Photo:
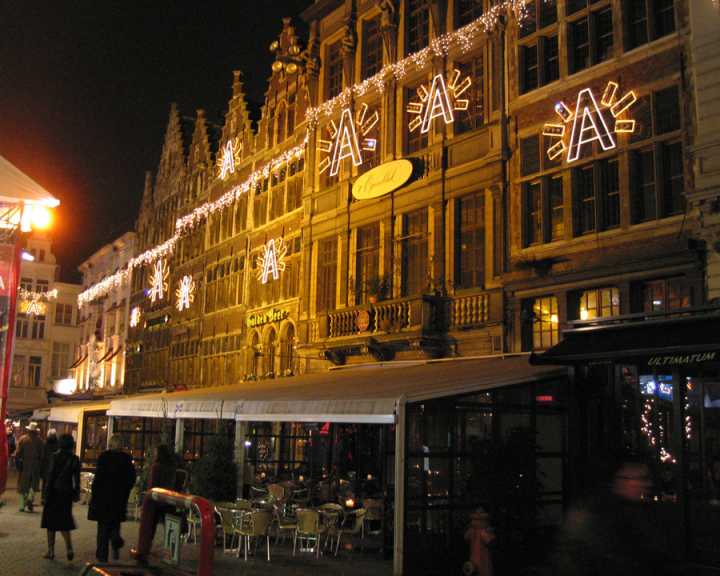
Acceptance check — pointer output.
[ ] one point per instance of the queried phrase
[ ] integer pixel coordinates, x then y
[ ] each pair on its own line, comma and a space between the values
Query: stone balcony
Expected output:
419, 322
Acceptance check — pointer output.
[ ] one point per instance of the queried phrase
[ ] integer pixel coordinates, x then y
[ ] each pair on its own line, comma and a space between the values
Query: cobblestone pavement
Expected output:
23, 542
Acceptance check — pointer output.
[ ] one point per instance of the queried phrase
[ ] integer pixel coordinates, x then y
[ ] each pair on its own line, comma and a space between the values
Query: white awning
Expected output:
73, 411
370, 395
16, 186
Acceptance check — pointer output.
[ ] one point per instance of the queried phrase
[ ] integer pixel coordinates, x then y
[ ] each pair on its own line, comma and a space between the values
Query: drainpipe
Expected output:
400, 463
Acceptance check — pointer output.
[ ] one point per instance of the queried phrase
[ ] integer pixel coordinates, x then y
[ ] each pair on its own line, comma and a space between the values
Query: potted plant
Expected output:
377, 287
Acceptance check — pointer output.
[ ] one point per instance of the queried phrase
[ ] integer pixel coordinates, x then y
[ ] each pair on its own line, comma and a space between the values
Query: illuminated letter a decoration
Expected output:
585, 128
438, 104
346, 144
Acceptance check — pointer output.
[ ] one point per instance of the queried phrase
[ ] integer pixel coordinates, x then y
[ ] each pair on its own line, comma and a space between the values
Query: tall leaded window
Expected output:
368, 253
63, 313
648, 20
468, 11
327, 274
599, 303
596, 196
471, 245
666, 294
34, 371
545, 322
419, 25
590, 39
416, 140
334, 70
473, 117
657, 166
372, 57
370, 139
60, 359
415, 252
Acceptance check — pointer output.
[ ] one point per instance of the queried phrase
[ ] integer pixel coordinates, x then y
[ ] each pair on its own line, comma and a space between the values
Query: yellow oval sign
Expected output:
382, 179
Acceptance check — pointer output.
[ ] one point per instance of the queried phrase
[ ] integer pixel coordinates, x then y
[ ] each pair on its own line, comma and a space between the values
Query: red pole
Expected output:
205, 510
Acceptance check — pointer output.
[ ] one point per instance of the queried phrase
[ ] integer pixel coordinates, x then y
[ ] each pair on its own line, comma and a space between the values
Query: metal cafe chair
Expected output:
352, 524
308, 528
285, 521
251, 525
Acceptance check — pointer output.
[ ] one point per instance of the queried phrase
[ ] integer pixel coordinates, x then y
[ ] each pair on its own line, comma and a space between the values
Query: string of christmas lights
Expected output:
37, 296
439, 47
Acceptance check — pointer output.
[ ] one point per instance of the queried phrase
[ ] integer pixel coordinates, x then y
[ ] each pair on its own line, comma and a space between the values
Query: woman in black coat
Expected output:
59, 493
114, 479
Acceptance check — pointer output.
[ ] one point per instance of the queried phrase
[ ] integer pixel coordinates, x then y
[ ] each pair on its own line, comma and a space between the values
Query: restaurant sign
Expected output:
382, 179
687, 359
260, 319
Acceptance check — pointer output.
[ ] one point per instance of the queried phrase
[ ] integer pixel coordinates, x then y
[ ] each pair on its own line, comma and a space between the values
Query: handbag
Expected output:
19, 462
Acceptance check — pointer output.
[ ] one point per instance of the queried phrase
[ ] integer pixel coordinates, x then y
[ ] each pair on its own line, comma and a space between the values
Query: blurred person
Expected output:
162, 475
613, 531
59, 493
11, 442
29, 456
114, 479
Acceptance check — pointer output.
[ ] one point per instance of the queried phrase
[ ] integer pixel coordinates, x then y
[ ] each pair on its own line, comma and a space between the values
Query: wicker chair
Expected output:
308, 528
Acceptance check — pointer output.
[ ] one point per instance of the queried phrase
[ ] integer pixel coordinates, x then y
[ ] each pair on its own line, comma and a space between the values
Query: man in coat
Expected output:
114, 479
29, 454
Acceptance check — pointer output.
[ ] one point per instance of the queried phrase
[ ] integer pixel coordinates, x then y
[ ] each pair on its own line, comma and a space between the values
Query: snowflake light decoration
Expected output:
185, 293
589, 122
437, 102
271, 260
344, 141
231, 157
158, 281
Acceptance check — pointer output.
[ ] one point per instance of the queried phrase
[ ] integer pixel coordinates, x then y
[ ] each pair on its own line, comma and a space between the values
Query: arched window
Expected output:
271, 351
253, 355
287, 353
281, 123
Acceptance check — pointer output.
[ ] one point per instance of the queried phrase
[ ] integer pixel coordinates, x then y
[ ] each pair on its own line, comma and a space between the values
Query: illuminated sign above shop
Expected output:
589, 122
271, 260
271, 316
382, 179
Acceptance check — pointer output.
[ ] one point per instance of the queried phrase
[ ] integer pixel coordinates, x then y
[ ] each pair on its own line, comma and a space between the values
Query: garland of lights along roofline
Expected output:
438, 47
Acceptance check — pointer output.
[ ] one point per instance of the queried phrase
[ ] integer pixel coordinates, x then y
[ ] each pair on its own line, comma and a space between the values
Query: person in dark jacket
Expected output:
59, 493
162, 475
29, 456
114, 479
51, 446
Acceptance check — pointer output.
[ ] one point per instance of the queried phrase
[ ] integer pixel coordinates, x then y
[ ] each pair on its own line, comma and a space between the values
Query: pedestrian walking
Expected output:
11, 442
114, 479
162, 475
28, 459
51, 446
59, 493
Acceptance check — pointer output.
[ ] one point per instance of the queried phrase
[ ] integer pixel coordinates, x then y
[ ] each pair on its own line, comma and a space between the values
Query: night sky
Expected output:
86, 88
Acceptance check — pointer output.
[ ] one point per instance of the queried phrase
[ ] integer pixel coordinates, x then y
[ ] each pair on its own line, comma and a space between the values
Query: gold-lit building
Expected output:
439, 185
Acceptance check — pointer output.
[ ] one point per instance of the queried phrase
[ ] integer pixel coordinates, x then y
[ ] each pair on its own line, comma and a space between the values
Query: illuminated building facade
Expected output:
438, 181
46, 330
104, 319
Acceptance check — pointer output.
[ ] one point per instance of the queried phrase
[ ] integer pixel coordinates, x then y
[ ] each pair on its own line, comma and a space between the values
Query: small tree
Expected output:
215, 475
